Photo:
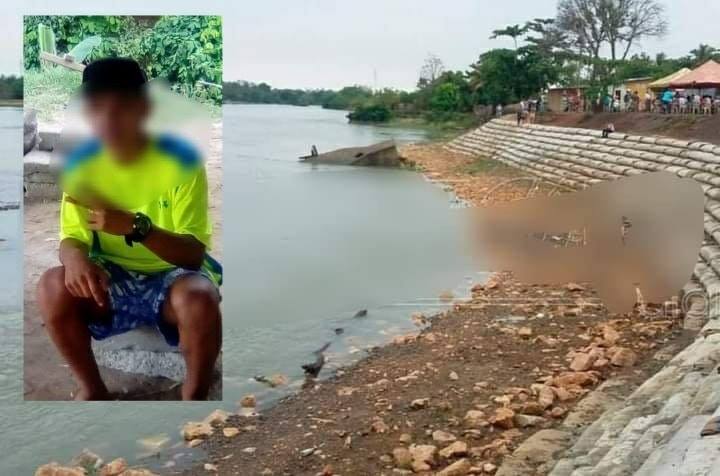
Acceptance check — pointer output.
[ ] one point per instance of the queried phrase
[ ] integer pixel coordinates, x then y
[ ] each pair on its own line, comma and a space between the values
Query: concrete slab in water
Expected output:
384, 154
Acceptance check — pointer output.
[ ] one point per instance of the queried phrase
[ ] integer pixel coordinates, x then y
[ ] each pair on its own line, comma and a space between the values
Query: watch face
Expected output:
142, 224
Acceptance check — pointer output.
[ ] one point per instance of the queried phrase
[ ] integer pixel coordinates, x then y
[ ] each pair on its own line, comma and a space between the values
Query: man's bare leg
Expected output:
66, 318
193, 305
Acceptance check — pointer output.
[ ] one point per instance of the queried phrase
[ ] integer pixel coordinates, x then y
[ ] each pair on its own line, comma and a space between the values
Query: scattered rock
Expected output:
248, 401
54, 469
475, 419
379, 426
524, 421
458, 468
489, 468
403, 458
230, 431
574, 287
601, 363
405, 339
503, 418
623, 357
546, 396
423, 457
210, 467
419, 319
443, 436
419, 403
525, 332
405, 438
532, 408
278, 380
114, 467
562, 394
308, 452
610, 335
582, 362
87, 459
454, 450
453, 375
582, 379
217, 417
196, 430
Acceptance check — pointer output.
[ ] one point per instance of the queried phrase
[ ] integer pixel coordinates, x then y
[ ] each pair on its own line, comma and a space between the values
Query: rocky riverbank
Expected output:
464, 392
487, 387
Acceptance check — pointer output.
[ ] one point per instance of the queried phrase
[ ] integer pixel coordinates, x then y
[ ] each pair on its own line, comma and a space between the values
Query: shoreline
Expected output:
456, 396
11, 103
459, 419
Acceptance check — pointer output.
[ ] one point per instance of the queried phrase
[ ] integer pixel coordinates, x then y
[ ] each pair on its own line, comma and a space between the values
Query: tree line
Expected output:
588, 43
11, 87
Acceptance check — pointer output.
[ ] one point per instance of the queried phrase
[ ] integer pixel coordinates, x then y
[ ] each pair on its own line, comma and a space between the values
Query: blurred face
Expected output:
117, 119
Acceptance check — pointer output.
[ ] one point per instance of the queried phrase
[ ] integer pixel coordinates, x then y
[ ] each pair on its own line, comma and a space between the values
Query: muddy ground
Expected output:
685, 127
464, 391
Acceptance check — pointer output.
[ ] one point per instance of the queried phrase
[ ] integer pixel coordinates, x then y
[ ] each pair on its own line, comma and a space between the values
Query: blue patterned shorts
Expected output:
136, 299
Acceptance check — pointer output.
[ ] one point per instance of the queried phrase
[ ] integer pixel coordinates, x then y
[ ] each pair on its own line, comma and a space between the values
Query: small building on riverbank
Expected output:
566, 99
632, 85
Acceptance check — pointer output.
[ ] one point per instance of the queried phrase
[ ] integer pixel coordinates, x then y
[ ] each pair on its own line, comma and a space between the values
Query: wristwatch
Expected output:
140, 229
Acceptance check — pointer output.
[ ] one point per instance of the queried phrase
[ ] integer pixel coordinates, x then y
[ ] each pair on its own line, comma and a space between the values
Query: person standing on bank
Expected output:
134, 235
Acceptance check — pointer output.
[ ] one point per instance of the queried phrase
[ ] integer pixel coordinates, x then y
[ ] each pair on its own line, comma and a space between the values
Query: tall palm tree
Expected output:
704, 53
513, 31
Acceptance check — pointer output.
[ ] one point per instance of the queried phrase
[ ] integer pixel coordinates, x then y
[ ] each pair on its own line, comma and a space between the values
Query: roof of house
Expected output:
705, 76
665, 81
633, 80
565, 88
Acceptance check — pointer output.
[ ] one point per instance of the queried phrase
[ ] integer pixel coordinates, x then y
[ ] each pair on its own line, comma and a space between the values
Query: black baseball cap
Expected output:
113, 75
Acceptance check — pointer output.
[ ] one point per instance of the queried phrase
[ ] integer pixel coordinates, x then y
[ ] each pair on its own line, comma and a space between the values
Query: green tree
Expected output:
704, 53
185, 50
445, 98
512, 31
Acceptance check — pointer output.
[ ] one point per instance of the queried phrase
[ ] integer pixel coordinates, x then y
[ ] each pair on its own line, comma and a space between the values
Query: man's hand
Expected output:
103, 217
85, 279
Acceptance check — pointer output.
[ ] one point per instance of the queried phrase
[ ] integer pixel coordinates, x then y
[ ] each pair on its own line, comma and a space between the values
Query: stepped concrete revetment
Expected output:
656, 430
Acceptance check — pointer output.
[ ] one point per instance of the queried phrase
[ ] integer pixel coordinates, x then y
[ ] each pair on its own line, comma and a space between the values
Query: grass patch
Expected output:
50, 89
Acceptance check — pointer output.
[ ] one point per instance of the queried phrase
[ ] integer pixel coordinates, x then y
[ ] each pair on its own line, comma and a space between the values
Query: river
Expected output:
304, 248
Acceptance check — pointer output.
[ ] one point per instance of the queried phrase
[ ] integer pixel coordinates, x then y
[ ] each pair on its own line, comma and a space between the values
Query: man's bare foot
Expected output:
87, 395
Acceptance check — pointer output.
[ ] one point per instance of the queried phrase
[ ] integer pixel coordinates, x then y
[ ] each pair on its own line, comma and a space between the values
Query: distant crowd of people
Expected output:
674, 102
669, 102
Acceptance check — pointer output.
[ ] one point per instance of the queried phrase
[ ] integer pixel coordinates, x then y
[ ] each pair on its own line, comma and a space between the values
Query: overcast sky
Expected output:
331, 43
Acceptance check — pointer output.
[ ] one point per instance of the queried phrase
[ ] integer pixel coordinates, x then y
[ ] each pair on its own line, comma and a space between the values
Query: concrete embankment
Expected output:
656, 431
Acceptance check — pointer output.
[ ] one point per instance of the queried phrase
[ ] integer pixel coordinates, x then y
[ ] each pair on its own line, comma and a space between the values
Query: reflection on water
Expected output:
304, 248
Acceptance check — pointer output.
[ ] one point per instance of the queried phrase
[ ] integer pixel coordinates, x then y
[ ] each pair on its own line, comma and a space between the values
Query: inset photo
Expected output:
122, 184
